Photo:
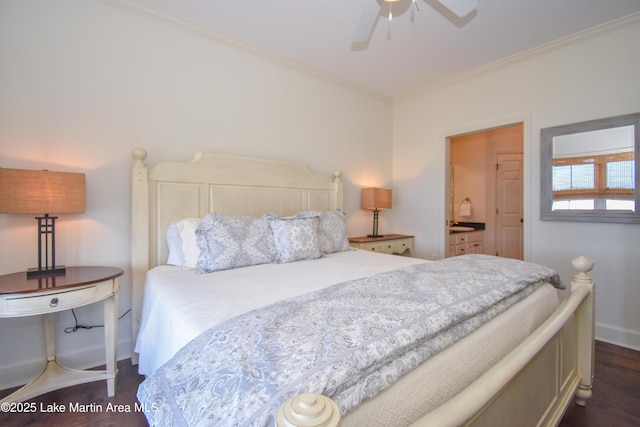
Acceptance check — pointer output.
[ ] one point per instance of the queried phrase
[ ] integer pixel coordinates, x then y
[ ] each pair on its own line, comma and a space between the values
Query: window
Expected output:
594, 182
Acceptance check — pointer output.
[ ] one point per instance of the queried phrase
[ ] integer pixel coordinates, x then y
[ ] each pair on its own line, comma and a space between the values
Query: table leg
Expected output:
50, 335
110, 339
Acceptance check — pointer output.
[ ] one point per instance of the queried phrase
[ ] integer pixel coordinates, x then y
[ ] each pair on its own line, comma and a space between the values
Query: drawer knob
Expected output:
54, 302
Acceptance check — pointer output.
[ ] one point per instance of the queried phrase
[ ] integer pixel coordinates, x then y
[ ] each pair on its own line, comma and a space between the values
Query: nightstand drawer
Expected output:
374, 247
40, 303
401, 245
389, 244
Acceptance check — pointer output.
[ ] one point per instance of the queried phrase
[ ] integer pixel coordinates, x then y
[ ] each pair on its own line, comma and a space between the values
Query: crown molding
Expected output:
538, 50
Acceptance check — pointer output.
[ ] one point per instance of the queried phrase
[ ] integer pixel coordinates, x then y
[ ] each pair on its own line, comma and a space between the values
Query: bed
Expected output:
523, 365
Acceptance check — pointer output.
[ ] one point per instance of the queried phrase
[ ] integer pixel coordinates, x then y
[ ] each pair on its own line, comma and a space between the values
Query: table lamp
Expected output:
42, 192
375, 199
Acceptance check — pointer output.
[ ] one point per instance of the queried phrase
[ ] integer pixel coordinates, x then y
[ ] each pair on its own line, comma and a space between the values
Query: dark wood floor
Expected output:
616, 391
86, 394
615, 401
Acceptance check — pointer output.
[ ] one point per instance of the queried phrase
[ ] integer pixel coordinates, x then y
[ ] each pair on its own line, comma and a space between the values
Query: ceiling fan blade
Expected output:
460, 7
368, 17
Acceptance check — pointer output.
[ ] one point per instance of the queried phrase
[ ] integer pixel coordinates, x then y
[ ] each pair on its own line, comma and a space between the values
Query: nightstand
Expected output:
396, 244
46, 295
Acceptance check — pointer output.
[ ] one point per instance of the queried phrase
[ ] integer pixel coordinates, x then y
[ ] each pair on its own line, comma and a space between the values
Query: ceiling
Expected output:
415, 50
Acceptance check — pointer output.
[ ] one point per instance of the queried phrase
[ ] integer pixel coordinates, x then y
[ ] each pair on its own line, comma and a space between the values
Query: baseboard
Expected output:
618, 336
22, 373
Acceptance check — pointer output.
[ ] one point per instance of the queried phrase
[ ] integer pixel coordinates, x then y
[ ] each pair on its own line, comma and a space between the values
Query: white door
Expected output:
509, 206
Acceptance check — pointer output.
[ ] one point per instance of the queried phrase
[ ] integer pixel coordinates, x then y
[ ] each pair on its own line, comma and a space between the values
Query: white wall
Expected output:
587, 78
83, 82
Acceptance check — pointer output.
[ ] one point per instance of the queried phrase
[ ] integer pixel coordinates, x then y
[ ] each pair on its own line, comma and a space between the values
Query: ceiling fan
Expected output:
372, 9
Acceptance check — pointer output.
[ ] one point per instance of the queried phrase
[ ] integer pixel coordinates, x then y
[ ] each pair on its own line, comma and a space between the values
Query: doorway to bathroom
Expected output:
485, 194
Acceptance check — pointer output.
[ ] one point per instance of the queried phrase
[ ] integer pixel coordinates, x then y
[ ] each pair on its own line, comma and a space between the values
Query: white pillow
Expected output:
174, 242
190, 249
183, 247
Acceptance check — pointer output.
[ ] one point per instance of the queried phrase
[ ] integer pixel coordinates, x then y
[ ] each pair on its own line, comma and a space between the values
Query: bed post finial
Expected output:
139, 154
309, 410
584, 265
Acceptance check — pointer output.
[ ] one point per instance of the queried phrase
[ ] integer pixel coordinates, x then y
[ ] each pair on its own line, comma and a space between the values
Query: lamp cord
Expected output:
77, 326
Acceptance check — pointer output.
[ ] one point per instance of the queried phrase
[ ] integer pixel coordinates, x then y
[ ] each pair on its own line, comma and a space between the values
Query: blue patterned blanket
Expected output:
349, 341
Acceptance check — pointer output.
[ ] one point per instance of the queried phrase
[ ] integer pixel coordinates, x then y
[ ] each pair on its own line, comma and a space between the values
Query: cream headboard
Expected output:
213, 183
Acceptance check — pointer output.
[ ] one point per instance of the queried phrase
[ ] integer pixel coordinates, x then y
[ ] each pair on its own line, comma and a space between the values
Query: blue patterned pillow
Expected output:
233, 241
295, 238
332, 230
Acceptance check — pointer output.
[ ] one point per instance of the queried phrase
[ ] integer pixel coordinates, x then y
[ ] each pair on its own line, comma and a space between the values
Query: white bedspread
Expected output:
358, 338
179, 305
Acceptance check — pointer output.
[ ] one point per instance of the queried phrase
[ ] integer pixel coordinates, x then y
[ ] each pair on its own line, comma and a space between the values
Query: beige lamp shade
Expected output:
375, 198
41, 192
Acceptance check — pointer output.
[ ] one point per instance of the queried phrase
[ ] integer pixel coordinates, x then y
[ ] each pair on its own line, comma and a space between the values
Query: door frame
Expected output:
525, 119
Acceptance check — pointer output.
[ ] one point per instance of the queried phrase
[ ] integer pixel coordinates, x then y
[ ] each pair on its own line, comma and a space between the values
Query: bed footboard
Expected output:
533, 385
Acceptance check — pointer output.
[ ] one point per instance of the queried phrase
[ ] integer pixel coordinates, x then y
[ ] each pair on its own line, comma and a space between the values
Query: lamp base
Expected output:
375, 235
58, 270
